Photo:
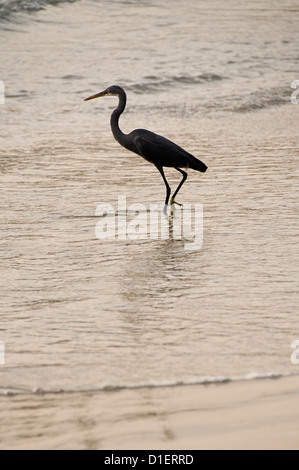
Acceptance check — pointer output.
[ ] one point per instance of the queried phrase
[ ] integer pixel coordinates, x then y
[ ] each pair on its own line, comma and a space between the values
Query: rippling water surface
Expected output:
78, 313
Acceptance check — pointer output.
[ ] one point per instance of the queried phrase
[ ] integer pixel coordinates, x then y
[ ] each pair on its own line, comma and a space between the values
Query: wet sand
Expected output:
255, 414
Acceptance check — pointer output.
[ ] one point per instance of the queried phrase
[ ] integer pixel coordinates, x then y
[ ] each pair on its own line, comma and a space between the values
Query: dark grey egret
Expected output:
154, 148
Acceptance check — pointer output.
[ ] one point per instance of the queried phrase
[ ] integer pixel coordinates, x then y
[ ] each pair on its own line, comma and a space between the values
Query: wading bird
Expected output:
154, 148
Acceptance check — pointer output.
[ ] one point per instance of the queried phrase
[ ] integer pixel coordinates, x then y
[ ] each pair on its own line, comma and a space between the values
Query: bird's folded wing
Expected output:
161, 151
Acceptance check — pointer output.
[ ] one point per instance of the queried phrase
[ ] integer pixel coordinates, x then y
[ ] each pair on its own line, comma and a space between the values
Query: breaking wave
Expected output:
206, 380
9, 7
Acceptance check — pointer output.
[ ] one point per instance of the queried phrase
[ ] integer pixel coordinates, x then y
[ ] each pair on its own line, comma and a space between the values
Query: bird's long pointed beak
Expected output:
97, 95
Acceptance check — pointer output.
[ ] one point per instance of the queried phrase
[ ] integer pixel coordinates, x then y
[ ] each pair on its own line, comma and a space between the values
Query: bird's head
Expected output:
112, 90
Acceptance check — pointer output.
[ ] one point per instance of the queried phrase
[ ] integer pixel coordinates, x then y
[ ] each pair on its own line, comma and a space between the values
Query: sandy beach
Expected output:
255, 414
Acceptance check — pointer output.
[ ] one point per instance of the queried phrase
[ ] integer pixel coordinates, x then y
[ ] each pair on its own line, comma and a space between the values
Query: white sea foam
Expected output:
206, 380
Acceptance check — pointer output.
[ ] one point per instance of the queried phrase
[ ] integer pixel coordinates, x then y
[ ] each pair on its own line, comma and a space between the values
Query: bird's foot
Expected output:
172, 207
172, 202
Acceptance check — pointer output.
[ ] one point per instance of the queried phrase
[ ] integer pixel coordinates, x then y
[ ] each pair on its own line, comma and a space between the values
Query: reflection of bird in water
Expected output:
153, 147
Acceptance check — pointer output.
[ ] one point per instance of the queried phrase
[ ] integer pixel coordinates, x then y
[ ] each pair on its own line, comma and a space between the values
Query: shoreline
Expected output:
251, 414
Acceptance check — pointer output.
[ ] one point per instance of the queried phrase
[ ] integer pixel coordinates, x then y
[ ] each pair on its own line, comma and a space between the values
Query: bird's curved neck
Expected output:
118, 134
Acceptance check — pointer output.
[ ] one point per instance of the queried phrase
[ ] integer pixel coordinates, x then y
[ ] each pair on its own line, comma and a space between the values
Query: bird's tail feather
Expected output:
196, 164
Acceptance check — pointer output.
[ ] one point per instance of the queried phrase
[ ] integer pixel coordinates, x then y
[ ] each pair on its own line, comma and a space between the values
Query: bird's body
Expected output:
154, 148
157, 149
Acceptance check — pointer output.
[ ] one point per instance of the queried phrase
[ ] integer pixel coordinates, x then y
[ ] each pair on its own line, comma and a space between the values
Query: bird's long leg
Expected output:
168, 190
185, 175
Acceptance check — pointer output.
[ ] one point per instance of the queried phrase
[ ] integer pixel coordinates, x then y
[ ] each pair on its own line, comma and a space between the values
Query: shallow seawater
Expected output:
79, 313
